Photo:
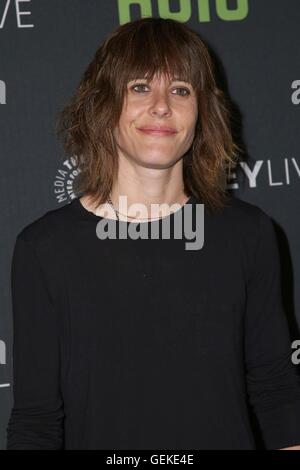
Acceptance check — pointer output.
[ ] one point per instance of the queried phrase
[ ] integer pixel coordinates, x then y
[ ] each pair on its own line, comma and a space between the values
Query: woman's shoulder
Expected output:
241, 212
243, 222
52, 225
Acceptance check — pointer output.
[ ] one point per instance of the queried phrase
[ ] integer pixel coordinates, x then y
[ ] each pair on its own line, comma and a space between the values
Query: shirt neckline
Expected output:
92, 216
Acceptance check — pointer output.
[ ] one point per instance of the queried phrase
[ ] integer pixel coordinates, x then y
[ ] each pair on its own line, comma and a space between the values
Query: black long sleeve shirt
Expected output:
142, 344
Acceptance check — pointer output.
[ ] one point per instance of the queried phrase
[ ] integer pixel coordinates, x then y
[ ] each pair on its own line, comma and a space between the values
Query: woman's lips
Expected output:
158, 132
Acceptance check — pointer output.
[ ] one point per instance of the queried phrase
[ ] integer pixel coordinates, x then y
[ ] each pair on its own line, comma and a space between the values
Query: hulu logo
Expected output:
204, 7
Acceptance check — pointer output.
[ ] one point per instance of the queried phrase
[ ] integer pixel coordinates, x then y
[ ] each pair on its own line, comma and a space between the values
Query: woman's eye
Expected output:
185, 90
136, 86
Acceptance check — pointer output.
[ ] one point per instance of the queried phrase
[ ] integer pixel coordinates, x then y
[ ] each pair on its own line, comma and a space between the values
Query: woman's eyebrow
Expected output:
173, 79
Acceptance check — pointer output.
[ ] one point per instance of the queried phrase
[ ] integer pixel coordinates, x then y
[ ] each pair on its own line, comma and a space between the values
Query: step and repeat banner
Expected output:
45, 45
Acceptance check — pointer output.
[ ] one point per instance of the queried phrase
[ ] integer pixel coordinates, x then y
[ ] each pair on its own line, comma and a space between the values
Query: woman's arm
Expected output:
36, 420
273, 383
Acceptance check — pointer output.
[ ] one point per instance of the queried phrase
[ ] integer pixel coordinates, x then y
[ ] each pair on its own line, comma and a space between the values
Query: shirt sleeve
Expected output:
36, 420
273, 383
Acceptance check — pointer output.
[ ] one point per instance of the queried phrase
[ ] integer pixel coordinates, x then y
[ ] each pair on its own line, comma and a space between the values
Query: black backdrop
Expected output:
45, 45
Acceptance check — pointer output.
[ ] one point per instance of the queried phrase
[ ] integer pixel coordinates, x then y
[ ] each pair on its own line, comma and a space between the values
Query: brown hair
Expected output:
89, 118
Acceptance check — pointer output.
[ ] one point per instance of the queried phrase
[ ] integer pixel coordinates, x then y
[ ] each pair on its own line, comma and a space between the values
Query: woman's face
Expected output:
157, 123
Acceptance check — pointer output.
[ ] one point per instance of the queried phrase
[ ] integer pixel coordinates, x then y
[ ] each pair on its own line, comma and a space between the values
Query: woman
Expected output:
140, 343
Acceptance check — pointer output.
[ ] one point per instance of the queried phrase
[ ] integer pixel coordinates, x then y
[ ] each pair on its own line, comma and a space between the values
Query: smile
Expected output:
157, 132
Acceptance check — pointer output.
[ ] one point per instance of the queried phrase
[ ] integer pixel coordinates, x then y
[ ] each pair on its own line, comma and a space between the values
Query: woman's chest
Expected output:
156, 304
